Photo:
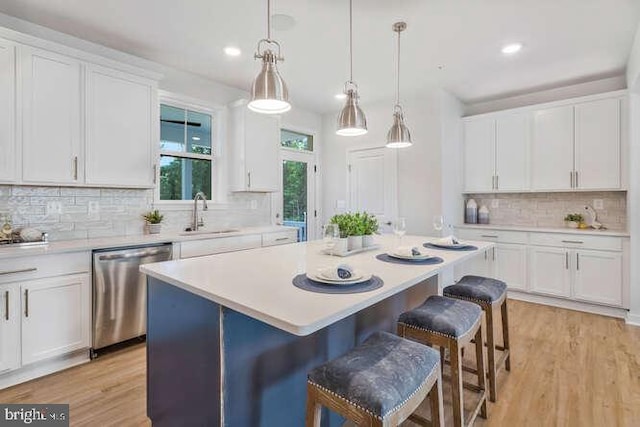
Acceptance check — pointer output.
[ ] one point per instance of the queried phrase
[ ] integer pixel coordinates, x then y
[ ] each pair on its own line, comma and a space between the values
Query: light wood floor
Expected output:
568, 369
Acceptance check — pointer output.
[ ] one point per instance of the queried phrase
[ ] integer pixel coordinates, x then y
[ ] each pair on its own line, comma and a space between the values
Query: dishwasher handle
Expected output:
137, 254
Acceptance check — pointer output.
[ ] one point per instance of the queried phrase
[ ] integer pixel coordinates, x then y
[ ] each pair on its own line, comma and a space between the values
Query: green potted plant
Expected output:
343, 223
370, 227
573, 220
355, 230
153, 221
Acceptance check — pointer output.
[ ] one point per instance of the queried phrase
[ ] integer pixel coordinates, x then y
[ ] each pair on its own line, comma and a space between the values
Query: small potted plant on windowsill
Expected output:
153, 221
370, 227
573, 220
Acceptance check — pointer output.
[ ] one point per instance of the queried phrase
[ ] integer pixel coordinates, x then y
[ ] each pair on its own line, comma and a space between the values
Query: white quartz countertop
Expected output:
118, 242
593, 232
258, 283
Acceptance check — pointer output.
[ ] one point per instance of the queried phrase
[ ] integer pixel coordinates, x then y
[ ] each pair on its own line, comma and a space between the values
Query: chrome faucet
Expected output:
195, 224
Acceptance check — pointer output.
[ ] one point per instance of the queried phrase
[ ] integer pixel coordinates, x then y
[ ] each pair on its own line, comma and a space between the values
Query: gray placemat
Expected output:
428, 261
303, 282
444, 248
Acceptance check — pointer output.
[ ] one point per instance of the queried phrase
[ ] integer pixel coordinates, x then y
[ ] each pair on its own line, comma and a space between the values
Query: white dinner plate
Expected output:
355, 275
322, 279
458, 245
410, 258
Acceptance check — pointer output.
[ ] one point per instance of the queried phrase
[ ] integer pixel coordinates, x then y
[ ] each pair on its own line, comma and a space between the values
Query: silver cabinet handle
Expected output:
155, 173
493, 182
577, 184
281, 239
249, 179
6, 305
566, 260
493, 252
485, 255
26, 303
490, 236
497, 182
75, 167
572, 241
577, 261
24, 270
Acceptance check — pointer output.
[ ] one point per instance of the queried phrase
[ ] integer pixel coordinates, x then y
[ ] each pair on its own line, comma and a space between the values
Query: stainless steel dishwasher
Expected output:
120, 293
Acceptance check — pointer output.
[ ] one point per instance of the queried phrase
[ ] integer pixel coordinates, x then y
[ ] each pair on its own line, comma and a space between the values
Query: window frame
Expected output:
217, 117
292, 129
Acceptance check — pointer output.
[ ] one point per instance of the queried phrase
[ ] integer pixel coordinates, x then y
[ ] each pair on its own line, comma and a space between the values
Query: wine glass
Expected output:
330, 236
438, 222
399, 228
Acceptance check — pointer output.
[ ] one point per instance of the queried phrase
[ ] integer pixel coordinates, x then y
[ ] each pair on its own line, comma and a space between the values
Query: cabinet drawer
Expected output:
279, 238
606, 243
502, 236
216, 246
39, 266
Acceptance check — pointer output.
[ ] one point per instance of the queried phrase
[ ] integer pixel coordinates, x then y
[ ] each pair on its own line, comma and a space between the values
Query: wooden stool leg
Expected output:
314, 410
442, 357
456, 384
491, 354
435, 398
505, 334
481, 371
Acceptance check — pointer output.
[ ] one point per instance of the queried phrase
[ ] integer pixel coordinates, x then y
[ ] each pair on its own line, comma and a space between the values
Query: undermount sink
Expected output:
194, 233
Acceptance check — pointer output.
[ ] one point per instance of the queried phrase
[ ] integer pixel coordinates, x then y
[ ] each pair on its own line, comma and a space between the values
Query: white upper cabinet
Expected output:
51, 118
120, 117
7, 112
512, 145
552, 149
479, 155
254, 141
597, 158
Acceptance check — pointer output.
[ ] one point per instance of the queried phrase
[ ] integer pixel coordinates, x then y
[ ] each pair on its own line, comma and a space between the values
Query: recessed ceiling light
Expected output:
512, 48
232, 51
341, 96
195, 138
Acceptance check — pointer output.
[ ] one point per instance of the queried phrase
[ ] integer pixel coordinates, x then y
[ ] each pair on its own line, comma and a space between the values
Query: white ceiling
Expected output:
565, 41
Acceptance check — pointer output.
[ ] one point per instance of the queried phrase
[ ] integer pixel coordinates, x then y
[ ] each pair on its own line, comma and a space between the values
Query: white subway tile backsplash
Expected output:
549, 209
108, 212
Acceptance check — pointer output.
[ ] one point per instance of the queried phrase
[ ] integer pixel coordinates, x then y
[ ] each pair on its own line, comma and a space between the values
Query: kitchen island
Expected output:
230, 339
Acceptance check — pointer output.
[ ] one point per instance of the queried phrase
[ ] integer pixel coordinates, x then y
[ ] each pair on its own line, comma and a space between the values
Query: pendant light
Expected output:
399, 135
351, 120
269, 94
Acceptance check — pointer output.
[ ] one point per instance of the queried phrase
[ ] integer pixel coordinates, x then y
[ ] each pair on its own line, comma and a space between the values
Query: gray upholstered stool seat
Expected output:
446, 316
380, 382
491, 295
477, 288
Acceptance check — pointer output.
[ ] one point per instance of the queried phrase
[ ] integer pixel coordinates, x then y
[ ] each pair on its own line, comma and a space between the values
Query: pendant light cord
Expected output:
269, 20
398, 74
351, 41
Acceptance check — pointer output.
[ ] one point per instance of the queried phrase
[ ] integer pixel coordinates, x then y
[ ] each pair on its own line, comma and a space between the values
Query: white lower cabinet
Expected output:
9, 328
510, 265
550, 271
56, 316
598, 275
481, 265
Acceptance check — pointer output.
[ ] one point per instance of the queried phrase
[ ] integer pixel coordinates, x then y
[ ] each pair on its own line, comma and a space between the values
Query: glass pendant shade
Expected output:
399, 135
269, 94
351, 120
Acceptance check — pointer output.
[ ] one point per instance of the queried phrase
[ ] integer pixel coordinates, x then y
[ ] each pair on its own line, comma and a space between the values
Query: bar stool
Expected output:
381, 382
490, 294
450, 323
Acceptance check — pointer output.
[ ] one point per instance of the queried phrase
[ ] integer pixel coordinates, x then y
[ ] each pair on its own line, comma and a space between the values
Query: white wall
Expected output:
633, 80
433, 121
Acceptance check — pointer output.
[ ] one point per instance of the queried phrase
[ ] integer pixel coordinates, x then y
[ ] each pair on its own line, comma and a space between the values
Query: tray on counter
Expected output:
351, 252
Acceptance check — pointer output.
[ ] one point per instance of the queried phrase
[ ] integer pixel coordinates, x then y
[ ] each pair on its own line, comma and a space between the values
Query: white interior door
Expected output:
373, 175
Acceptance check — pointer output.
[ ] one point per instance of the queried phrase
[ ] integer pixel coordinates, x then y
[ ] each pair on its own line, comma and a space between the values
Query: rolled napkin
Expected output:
408, 251
340, 272
448, 241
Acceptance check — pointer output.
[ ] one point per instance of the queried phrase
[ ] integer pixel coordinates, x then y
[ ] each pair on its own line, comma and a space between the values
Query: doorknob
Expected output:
388, 223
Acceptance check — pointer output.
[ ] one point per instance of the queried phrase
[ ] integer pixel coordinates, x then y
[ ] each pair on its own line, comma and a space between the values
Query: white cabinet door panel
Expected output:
479, 265
510, 265
51, 118
550, 271
56, 316
552, 149
479, 154
512, 144
262, 144
8, 159
9, 327
599, 277
598, 144
120, 118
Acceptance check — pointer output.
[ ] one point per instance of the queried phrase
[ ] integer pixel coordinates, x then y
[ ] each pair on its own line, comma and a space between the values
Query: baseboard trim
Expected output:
633, 319
46, 367
602, 310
